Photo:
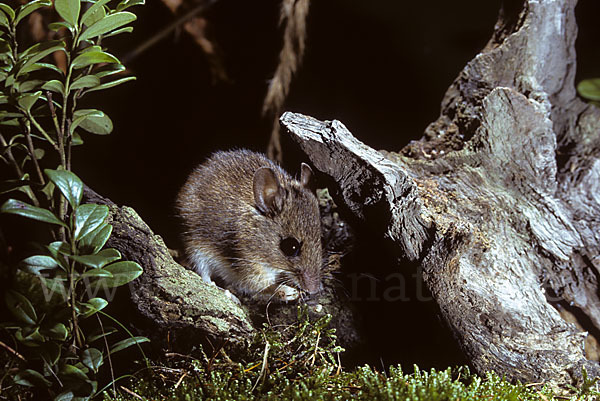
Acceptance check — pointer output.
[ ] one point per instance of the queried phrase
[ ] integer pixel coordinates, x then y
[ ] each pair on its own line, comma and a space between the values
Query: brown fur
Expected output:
221, 218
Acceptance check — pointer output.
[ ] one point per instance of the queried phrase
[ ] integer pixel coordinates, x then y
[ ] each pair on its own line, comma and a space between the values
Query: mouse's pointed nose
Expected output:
311, 282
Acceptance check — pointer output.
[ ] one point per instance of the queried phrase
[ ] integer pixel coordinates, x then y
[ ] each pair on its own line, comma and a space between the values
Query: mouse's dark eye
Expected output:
290, 247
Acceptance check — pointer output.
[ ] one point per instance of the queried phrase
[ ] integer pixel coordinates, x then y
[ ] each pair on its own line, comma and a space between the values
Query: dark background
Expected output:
381, 67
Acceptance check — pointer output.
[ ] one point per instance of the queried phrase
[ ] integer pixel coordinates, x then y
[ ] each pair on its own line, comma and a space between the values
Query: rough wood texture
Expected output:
169, 297
498, 201
178, 310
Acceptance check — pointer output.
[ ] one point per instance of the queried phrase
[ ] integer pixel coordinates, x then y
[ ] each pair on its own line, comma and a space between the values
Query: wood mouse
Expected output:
252, 226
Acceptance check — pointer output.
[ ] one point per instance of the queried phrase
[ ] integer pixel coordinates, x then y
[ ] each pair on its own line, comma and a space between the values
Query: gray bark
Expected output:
177, 310
498, 201
174, 304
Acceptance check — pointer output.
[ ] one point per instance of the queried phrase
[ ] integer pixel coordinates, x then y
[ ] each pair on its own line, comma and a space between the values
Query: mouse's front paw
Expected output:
230, 295
287, 293
227, 293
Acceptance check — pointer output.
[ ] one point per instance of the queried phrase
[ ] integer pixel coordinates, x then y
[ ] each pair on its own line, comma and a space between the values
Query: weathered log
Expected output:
498, 201
169, 298
178, 310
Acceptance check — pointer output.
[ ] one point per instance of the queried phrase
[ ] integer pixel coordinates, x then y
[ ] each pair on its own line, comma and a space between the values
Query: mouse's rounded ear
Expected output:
268, 192
307, 177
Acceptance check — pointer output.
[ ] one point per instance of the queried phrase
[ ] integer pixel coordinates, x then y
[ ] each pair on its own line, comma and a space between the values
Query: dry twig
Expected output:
294, 14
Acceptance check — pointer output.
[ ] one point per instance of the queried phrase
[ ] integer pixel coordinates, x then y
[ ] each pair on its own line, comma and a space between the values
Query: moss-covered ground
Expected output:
302, 362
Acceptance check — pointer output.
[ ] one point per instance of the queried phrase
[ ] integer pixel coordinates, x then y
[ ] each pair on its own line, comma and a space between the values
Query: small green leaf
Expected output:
48, 190
97, 303
100, 259
99, 125
55, 26
41, 47
37, 52
8, 11
54, 86
30, 337
7, 186
123, 273
39, 153
40, 66
74, 372
93, 57
68, 10
30, 7
128, 342
111, 84
92, 359
81, 115
88, 217
4, 20
107, 24
93, 121
127, 29
96, 273
92, 48
14, 206
93, 305
28, 85
10, 123
95, 240
59, 247
76, 139
20, 307
590, 89
58, 332
109, 69
66, 396
87, 81
69, 184
10, 80
36, 264
94, 14
31, 378
28, 100
129, 3
4, 114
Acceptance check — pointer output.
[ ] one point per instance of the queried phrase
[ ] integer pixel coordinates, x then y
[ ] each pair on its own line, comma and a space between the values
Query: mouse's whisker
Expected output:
274, 291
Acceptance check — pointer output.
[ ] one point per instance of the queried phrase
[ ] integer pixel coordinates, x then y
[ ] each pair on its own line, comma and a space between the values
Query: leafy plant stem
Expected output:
62, 206
41, 130
77, 338
65, 102
52, 111
59, 133
11, 157
67, 86
69, 144
13, 40
65, 157
18, 171
31, 151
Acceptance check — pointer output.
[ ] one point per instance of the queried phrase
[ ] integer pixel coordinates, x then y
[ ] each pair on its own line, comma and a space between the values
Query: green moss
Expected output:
300, 362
